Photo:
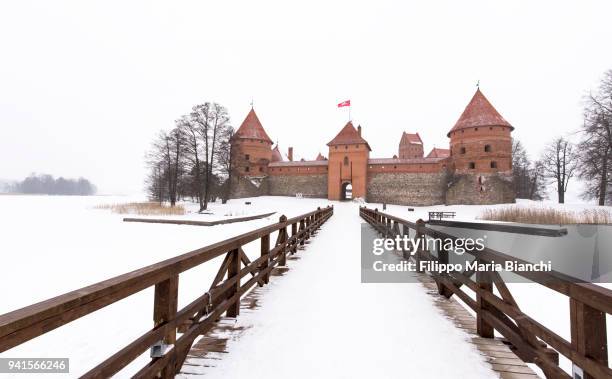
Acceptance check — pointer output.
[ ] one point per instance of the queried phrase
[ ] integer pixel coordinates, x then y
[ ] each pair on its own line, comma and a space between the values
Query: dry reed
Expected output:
550, 216
144, 209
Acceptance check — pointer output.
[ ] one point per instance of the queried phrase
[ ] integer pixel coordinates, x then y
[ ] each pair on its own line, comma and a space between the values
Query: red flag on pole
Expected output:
346, 103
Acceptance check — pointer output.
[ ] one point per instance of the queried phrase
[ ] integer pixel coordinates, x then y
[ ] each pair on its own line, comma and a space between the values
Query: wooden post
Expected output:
234, 270
282, 237
164, 310
302, 227
589, 337
294, 232
483, 328
405, 231
265, 251
443, 259
420, 224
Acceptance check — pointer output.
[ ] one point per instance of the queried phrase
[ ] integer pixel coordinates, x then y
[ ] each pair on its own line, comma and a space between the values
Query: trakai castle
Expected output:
476, 169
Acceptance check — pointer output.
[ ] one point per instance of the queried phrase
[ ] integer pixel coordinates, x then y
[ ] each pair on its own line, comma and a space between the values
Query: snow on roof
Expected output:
411, 138
438, 153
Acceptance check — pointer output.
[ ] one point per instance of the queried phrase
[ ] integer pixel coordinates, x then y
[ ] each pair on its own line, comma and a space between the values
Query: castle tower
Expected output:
480, 141
410, 146
251, 147
348, 163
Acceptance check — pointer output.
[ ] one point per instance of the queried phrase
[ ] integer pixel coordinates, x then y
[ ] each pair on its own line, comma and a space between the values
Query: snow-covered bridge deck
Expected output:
321, 321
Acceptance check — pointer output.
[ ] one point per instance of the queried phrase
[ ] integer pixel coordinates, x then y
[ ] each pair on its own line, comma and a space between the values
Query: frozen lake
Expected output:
55, 244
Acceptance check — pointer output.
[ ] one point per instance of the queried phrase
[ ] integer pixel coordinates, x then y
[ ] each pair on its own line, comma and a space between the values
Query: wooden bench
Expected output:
441, 215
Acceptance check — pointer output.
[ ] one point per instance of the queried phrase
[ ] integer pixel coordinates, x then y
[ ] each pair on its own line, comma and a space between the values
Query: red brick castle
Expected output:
477, 169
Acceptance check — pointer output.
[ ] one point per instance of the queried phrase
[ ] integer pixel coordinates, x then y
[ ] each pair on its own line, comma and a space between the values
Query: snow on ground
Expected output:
55, 244
546, 306
320, 321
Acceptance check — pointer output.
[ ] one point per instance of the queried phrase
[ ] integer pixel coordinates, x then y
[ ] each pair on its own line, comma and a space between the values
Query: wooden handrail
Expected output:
24, 324
589, 304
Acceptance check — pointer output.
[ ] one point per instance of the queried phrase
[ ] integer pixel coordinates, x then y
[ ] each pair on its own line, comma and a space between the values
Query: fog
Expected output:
84, 86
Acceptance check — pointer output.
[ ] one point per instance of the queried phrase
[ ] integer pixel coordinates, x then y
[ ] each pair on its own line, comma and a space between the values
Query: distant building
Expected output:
477, 169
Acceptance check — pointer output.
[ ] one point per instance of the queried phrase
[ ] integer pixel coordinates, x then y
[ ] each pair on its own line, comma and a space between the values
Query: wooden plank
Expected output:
196, 223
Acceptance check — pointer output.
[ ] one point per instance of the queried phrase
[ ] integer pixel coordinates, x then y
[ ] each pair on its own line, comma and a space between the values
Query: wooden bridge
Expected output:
588, 305
171, 338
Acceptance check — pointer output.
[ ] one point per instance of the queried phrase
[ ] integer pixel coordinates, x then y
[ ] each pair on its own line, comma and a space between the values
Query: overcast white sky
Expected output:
84, 86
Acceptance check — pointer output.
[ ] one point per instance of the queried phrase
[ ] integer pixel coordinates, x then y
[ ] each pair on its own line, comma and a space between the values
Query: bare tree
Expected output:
225, 161
596, 145
527, 175
559, 163
193, 154
190, 159
220, 125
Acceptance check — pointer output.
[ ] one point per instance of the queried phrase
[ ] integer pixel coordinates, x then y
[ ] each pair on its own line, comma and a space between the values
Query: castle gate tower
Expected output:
348, 163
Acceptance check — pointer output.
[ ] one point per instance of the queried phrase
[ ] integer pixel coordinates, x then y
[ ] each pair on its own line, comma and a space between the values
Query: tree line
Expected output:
589, 159
44, 184
192, 160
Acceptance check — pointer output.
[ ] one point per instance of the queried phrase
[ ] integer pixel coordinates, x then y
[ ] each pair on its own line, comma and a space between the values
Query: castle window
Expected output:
247, 157
336, 147
487, 148
346, 147
490, 128
475, 129
463, 150
394, 166
260, 169
346, 161
472, 165
493, 164
246, 169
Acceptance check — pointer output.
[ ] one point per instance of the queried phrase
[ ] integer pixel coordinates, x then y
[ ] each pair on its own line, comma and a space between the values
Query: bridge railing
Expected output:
167, 350
588, 304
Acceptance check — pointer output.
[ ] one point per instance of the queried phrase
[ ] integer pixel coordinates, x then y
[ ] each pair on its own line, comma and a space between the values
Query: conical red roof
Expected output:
479, 112
276, 155
348, 136
251, 128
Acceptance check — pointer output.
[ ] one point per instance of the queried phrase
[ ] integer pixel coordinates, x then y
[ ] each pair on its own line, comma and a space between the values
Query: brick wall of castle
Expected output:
242, 186
313, 185
480, 189
407, 188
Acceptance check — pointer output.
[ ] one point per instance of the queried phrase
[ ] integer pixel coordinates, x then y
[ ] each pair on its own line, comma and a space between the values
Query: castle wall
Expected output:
481, 189
406, 188
313, 185
242, 186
